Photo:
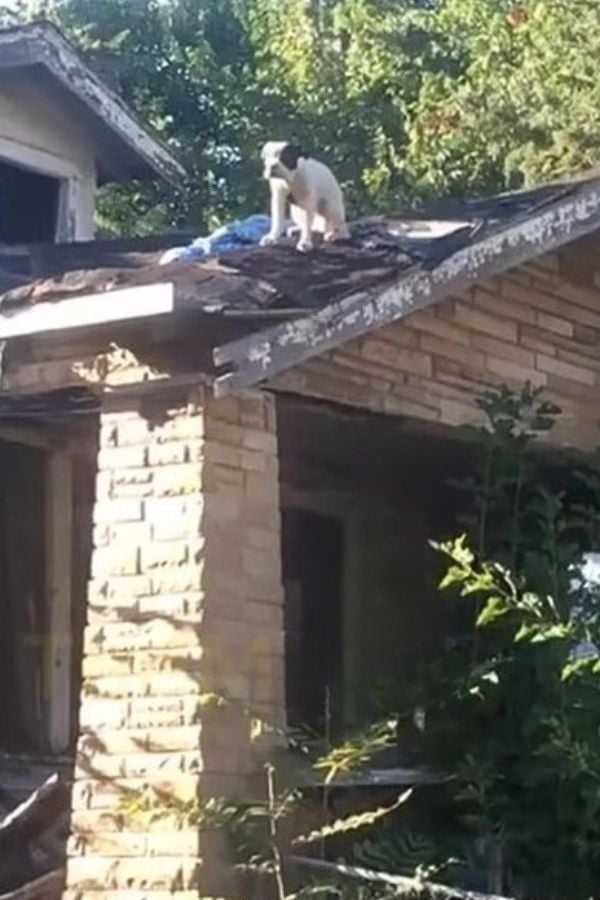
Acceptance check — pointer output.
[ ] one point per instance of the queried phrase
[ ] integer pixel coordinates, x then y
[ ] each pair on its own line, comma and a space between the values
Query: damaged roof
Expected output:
389, 267
125, 148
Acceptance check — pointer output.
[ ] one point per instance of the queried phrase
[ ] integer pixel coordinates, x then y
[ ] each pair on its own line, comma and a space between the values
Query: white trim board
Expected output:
90, 309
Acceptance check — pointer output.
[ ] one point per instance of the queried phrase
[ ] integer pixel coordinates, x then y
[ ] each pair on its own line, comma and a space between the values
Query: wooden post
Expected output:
59, 538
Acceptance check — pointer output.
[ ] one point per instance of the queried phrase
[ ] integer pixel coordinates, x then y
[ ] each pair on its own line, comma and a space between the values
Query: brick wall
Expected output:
184, 600
540, 322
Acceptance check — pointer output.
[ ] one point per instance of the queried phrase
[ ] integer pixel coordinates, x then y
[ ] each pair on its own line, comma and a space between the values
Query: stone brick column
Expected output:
185, 599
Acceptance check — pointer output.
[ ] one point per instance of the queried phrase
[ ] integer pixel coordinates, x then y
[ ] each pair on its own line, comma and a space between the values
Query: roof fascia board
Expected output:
104, 308
264, 354
43, 44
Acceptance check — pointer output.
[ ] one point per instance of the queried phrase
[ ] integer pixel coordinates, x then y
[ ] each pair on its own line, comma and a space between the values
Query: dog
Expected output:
315, 198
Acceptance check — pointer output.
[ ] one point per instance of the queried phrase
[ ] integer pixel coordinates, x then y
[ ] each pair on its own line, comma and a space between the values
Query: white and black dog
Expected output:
316, 202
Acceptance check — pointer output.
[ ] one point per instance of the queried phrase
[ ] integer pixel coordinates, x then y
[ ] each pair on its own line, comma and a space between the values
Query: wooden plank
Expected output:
262, 355
136, 302
59, 565
28, 809
41, 438
36, 159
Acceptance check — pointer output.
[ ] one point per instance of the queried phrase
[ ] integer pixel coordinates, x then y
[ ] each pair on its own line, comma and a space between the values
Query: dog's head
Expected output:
281, 158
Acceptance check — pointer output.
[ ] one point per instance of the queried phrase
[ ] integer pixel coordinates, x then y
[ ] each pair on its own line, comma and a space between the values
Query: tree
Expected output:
409, 100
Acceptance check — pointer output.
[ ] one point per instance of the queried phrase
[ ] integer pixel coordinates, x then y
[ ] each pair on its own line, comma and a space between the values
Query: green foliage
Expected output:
409, 100
514, 712
353, 822
356, 752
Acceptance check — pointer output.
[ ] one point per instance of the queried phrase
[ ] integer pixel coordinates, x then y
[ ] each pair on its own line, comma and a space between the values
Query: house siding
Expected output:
38, 133
185, 601
540, 322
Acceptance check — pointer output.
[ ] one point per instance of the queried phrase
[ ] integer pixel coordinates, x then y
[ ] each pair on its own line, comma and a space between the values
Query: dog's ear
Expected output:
290, 155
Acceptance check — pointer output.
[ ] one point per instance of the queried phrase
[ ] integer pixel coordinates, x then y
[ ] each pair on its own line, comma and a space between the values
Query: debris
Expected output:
33, 842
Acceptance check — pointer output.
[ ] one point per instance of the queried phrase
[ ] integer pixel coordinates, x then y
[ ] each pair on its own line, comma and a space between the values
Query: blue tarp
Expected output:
234, 236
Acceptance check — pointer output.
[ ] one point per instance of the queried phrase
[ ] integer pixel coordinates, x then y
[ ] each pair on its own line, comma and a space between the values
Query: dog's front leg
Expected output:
305, 244
279, 192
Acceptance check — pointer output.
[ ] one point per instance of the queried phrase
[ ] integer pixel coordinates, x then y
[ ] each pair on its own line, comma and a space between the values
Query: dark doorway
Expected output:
28, 205
312, 577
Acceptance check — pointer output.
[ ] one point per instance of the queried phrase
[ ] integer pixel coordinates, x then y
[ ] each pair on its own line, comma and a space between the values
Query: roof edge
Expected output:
263, 354
44, 44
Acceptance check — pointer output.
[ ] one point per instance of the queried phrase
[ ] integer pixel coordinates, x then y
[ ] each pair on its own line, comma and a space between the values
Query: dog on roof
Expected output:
309, 187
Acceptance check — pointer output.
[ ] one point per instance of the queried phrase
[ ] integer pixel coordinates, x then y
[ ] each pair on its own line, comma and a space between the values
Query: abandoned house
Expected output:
221, 477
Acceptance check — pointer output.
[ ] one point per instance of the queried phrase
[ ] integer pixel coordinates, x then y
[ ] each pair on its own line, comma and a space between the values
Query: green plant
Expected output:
514, 711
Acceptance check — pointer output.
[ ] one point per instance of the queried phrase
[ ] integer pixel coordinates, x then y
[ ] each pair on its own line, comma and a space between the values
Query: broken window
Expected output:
362, 496
312, 577
46, 501
29, 204
23, 613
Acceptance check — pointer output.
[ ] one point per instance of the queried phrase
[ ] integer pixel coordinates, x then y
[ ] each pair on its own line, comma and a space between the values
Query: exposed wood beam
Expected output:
262, 355
59, 566
137, 302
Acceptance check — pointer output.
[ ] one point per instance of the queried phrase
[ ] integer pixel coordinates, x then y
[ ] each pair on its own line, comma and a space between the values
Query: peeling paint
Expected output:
284, 346
43, 44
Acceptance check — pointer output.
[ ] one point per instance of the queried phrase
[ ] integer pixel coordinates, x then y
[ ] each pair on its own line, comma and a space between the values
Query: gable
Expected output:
34, 118
123, 148
538, 323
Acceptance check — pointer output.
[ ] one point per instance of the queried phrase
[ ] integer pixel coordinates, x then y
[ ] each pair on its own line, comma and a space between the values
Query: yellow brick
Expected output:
174, 843
225, 409
174, 580
224, 454
556, 324
224, 432
117, 511
163, 712
454, 413
479, 321
504, 307
102, 820
579, 358
116, 559
166, 739
184, 605
164, 553
414, 361
260, 440
175, 480
114, 844
399, 406
504, 350
565, 370
132, 430
101, 873
101, 712
440, 328
122, 457
168, 454
107, 664
534, 339
121, 587
511, 371
130, 636
379, 377
446, 350
262, 486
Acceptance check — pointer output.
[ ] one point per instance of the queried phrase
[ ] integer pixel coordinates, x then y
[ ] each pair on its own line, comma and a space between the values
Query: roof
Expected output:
125, 148
293, 306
